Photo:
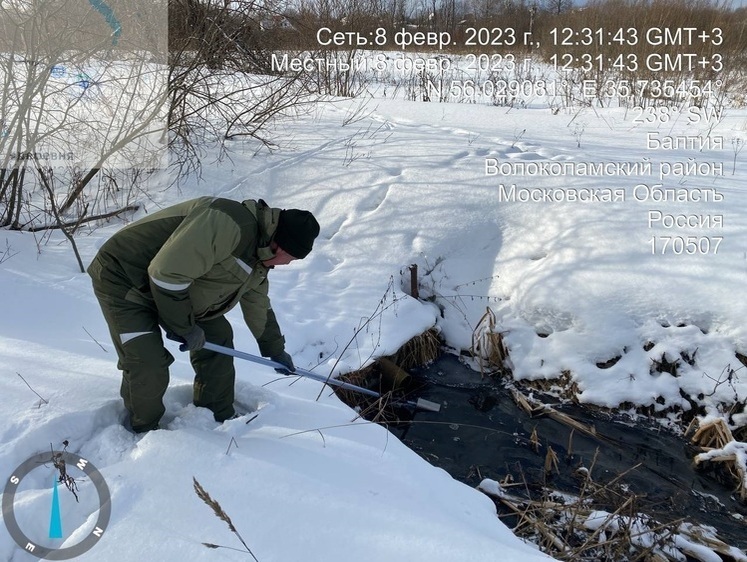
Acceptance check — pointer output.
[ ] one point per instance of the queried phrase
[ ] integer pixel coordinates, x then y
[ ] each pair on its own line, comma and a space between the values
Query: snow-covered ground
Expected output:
574, 285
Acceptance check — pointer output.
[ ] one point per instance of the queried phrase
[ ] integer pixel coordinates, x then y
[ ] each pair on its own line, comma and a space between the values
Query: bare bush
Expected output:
77, 101
223, 84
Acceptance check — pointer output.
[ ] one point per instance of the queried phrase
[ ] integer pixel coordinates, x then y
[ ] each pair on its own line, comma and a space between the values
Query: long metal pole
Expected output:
420, 403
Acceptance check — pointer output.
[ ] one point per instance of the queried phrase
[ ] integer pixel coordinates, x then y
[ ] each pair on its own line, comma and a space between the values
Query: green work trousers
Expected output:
144, 361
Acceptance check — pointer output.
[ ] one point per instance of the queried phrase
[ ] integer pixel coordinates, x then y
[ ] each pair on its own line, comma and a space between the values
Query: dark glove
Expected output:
193, 340
285, 360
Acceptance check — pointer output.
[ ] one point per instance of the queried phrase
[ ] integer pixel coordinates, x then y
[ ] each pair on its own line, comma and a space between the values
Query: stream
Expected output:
480, 433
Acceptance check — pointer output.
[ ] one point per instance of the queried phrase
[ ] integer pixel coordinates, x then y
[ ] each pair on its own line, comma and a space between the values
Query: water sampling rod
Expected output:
420, 403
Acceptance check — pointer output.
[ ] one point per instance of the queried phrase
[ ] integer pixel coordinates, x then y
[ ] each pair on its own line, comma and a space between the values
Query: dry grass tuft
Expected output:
719, 446
487, 344
714, 434
419, 351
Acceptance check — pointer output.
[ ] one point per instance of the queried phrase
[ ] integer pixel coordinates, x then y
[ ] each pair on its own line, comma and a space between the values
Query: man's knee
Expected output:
211, 364
145, 377
218, 331
145, 365
143, 350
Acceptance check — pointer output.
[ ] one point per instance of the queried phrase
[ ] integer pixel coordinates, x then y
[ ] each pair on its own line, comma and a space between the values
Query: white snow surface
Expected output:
573, 285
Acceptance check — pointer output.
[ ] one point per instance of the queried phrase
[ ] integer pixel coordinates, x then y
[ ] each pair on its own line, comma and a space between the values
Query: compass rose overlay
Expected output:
32, 545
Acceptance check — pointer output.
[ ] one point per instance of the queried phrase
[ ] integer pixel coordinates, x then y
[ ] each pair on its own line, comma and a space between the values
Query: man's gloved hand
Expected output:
286, 360
194, 339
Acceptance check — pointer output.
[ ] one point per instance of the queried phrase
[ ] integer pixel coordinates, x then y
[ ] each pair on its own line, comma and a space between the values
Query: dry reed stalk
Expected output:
603, 526
717, 441
536, 408
526, 519
714, 434
220, 514
534, 440
551, 461
570, 422
487, 344
522, 402
624, 534
696, 535
735, 466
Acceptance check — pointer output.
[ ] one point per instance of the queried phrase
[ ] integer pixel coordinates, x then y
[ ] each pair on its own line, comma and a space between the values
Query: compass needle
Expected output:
55, 519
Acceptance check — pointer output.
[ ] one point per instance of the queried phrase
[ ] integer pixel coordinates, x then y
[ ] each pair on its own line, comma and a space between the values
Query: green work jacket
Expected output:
195, 261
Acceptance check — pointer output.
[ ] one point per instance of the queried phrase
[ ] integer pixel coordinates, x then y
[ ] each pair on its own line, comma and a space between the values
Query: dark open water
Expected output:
501, 446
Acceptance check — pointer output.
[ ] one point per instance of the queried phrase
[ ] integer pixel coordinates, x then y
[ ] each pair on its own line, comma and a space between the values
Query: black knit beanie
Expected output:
296, 232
